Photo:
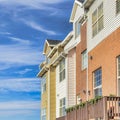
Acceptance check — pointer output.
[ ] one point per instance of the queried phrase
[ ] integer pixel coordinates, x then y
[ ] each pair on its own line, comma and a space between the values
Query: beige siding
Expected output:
71, 77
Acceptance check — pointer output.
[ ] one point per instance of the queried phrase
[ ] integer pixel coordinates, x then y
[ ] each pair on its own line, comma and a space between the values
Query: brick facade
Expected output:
104, 56
81, 74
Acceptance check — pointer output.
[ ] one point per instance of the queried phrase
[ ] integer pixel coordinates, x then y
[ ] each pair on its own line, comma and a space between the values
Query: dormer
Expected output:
49, 45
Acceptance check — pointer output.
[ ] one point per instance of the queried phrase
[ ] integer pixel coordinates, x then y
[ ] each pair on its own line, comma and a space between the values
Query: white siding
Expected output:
61, 89
71, 77
79, 13
111, 22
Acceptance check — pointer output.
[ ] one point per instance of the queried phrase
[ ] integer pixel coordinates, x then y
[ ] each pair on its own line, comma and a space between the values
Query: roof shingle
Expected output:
53, 42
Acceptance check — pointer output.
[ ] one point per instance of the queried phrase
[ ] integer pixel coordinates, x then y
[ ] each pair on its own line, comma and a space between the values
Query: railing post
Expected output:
105, 108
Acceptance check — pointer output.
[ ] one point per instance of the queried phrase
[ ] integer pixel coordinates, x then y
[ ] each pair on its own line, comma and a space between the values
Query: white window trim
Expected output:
61, 107
96, 22
61, 71
100, 86
118, 77
76, 29
84, 59
43, 113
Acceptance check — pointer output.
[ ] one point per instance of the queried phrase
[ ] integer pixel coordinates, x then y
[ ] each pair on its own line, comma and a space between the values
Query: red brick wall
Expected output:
81, 74
104, 55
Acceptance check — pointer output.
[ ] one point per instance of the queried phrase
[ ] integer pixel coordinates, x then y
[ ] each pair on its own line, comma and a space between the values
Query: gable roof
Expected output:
50, 43
82, 1
53, 42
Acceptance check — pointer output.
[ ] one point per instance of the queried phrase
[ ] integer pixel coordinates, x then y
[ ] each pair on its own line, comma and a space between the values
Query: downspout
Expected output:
87, 89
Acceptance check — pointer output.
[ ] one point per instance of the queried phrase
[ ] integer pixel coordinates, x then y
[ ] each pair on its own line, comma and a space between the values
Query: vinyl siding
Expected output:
111, 22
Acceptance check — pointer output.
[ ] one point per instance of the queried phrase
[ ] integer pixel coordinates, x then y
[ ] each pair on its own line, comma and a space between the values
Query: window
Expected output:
62, 70
43, 84
84, 60
98, 82
117, 6
43, 114
77, 28
118, 74
62, 107
97, 20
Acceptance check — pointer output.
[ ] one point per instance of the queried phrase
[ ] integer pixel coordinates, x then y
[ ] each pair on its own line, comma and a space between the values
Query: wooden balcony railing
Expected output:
106, 108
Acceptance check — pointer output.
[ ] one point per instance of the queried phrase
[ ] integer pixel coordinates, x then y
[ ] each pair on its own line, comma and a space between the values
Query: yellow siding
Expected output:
48, 49
54, 57
52, 94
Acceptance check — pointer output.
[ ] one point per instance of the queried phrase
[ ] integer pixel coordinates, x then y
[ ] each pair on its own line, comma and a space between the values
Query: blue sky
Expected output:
24, 26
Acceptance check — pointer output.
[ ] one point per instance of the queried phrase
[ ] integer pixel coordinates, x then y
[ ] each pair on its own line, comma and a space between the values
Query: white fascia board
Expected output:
76, 3
67, 38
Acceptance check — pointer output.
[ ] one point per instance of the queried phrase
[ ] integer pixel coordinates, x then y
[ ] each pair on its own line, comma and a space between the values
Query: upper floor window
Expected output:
77, 29
43, 114
62, 70
43, 84
97, 76
62, 107
84, 60
117, 6
97, 20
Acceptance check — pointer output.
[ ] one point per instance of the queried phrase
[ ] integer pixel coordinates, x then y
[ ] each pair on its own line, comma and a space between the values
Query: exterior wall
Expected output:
60, 89
44, 97
78, 14
81, 75
54, 57
52, 94
104, 56
111, 22
48, 49
71, 81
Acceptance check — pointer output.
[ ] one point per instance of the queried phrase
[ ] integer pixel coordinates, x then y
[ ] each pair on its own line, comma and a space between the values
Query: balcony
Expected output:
105, 108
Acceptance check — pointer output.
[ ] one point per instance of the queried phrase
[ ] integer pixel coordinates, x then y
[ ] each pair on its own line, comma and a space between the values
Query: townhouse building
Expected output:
48, 81
85, 65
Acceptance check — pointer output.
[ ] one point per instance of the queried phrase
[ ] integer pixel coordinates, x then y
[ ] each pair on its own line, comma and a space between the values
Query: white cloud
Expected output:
38, 27
5, 33
13, 108
19, 55
22, 41
20, 85
20, 105
33, 4
24, 71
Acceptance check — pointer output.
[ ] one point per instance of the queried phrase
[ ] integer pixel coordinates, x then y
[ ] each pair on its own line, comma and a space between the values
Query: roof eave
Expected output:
88, 3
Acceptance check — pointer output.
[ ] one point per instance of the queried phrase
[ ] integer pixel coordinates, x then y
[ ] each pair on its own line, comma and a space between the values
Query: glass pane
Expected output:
60, 103
94, 16
117, 6
97, 78
100, 10
64, 111
94, 29
98, 92
100, 24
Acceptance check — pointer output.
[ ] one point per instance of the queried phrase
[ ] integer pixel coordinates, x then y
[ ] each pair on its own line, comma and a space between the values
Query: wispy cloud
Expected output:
20, 85
22, 41
20, 105
32, 4
5, 33
20, 55
23, 71
38, 27
19, 108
